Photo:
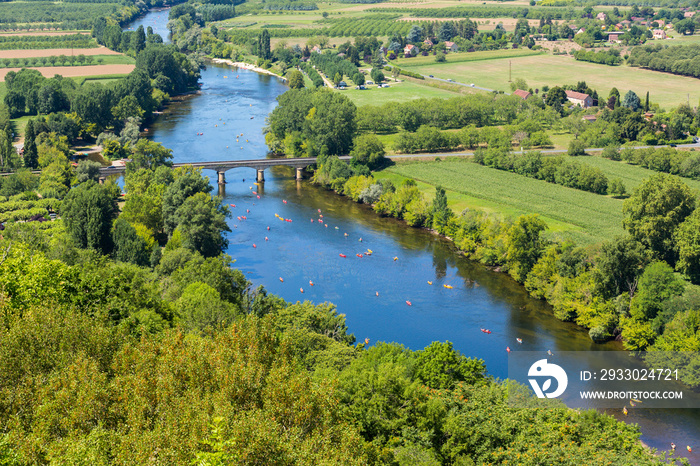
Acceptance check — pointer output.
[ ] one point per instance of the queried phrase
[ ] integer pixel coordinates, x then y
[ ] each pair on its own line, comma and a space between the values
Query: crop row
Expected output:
46, 204
597, 216
49, 12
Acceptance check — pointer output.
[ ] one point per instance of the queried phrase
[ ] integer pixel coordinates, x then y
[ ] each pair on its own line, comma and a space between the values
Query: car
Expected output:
449, 80
431, 76
672, 145
369, 83
472, 84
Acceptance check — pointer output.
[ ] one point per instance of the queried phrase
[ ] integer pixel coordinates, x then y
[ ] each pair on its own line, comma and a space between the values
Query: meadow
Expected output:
631, 175
552, 70
569, 213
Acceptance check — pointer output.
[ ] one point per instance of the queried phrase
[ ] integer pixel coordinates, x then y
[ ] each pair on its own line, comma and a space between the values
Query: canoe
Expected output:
409, 303
429, 282
449, 287
342, 255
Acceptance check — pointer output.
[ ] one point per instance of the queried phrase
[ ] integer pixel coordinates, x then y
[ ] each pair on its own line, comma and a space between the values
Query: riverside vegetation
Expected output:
625, 287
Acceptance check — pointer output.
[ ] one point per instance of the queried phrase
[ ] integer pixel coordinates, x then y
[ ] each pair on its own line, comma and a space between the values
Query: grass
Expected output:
401, 92
666, 89
20, 123
583, 217
631, 175
461, 57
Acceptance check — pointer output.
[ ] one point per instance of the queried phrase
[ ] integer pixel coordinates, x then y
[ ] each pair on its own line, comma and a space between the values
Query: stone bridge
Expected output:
221, 167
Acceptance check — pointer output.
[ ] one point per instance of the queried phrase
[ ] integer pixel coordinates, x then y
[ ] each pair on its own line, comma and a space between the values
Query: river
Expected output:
230, 112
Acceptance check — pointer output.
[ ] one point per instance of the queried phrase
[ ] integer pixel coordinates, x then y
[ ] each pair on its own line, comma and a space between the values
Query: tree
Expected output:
687, 239
88, 170
440, 57
617, 188
128, 107
556, 97
685, 26
576, 147
185, 185
128, 245
631, 101
377, 75
367, 150
657, 284
447, 31
441, 212
415, 34
654, 211
296, 79
149, 154
618, 266
87, 212
201, 308
264, 45
31, 155
646, 103
138, 40
616, 94
202, 220
524, 245
439, 366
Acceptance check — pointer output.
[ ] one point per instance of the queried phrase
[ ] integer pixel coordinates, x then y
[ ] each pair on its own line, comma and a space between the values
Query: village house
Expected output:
579, 98
659, 34
410, 51
316, 49
522, 94
451, 46
589, 118
614, 36
428, 43
601, 16
688, 14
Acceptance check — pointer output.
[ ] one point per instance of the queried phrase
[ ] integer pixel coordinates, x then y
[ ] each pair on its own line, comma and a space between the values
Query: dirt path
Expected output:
31, 53
74, 71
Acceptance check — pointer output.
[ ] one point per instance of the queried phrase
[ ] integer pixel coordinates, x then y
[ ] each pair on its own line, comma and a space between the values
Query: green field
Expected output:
396, 92
581, 216
631, 175
665, 89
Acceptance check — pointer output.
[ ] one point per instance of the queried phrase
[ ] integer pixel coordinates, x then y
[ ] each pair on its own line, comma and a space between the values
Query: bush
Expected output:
576, 147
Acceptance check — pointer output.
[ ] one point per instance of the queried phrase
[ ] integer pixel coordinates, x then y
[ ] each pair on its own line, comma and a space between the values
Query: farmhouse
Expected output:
451, 46
579, 98
522, 94
428, 43
601, 16
410, 50
316, 49
659, 34
614, 36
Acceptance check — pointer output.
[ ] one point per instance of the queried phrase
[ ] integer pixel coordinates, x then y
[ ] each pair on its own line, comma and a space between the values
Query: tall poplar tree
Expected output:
31, 157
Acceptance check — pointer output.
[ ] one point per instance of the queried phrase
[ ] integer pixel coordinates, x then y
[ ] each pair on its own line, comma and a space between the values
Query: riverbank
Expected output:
247, 66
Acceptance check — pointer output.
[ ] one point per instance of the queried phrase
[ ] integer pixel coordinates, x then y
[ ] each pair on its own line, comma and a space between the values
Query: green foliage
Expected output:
202, 220
657, 284
687, 239
128, 245
654, 211
524, 245
295, 79
439, 366
87, 211
368, 150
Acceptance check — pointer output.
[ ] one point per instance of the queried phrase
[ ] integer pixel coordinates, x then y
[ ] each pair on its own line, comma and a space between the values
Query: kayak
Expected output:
342, 255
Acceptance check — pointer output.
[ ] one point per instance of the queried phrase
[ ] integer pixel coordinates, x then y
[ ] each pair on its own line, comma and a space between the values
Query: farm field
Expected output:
461, 57
578, 215
73, 71
31, 53
396, 92
666, 89
631, 175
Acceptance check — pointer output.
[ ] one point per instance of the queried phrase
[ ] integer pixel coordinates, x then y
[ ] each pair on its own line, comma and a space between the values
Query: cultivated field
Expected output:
666, 89
582, 216
631, 175
75, 71
31, 53
396, 92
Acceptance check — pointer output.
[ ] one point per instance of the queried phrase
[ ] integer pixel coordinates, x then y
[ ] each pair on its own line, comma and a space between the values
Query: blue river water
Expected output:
224, 121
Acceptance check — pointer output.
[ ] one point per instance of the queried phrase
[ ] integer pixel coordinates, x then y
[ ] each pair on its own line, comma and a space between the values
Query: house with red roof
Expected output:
579, 98
522, 94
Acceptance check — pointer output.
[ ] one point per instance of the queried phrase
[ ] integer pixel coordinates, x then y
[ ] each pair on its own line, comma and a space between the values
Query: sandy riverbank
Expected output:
247, 66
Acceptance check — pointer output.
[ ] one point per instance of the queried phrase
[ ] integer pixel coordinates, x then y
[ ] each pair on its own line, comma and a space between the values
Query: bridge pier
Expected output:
261, 176
299, 173
222, 177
